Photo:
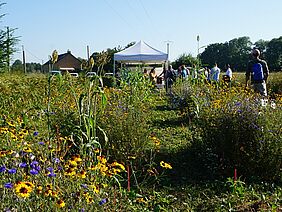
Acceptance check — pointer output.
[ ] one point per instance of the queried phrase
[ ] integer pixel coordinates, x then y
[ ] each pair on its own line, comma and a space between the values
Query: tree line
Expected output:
236, 52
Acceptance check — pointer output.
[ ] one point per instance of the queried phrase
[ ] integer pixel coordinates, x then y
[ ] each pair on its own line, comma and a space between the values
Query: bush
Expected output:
238, 132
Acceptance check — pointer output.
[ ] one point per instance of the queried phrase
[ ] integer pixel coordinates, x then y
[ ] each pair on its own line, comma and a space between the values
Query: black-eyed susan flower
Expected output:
88, 198
76, 158
70, 172
61, 203
95, 188
102, 159
23, 189
11, 123
82, 174
165, 165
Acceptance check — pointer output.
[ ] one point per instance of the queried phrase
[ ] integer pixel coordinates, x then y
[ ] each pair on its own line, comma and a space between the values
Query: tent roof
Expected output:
141, 52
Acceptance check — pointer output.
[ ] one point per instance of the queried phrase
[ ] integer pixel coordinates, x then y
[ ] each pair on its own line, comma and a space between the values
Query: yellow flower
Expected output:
11, 124
70, 172
82, 174
39, 189
95, 188
165, 165
61, 203
89, 199
72, 163
102, 159
27, 149
23, 189
24, 132
76, 158
118, 165
140, 200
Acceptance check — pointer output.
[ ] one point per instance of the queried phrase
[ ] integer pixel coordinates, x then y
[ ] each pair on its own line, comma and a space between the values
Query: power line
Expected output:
125, 21
146, 12
33, 55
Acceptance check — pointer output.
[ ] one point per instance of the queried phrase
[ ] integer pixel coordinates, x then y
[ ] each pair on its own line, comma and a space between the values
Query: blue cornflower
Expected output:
50, 169
41, 143
35, 133
56, 160
33, 172
12, 171
51, 174
2, 168
22, 165
103, 201
8, 185
34, 165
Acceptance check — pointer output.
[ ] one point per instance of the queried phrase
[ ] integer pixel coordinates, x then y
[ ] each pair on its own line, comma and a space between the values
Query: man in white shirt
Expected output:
214, 74
228, 74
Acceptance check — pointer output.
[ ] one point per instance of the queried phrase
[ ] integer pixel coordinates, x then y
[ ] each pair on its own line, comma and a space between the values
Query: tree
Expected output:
261, 45
185, 59
8, 42
273, 54
235, 52
17, 66
107, 58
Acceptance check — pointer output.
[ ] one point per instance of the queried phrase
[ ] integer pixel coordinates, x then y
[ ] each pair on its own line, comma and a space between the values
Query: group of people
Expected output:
257, 69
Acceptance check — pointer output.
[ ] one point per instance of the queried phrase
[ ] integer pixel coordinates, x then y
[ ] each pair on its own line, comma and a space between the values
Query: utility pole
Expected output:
24, 64
8, 49
168, 42
198, 40
88, 53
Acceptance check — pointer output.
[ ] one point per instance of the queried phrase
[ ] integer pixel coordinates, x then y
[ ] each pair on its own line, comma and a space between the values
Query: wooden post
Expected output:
24, 64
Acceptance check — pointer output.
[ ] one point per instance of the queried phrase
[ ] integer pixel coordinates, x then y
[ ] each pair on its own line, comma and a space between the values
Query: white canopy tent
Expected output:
140, 53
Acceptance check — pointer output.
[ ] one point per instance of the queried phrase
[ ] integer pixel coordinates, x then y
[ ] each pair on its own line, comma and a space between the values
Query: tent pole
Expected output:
114, 71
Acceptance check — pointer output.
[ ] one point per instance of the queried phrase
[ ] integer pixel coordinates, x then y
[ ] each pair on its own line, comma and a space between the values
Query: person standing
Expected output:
258, 70
214, 74
153, 76
228, 74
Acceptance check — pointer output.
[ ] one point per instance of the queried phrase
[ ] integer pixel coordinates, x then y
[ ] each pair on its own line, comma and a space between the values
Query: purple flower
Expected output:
83, 185
33, 172
238, 104
56, 160
2, 168
33, 163
50, 169
103, 201
41, 143
35, 133
8, 185
82, 210
22, 165
12, 171
51, 174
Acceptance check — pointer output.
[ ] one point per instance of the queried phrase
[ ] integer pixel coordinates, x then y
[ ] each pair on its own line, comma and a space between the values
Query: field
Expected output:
73, 144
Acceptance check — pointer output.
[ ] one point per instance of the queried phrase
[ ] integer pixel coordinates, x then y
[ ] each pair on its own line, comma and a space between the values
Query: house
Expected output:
66, 63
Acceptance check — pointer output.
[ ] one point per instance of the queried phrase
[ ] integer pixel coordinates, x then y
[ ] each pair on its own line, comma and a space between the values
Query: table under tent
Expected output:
140, 53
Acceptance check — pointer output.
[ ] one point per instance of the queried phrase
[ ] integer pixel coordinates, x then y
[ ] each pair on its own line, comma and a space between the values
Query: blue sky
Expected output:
45, 25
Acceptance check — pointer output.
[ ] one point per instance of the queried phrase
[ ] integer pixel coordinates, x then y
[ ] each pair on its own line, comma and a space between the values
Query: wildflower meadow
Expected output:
75, 144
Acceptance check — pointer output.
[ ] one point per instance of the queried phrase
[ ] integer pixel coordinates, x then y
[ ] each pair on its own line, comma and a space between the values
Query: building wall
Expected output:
68, 61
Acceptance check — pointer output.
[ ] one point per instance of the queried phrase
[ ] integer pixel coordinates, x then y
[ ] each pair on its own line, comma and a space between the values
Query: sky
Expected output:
46, 25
